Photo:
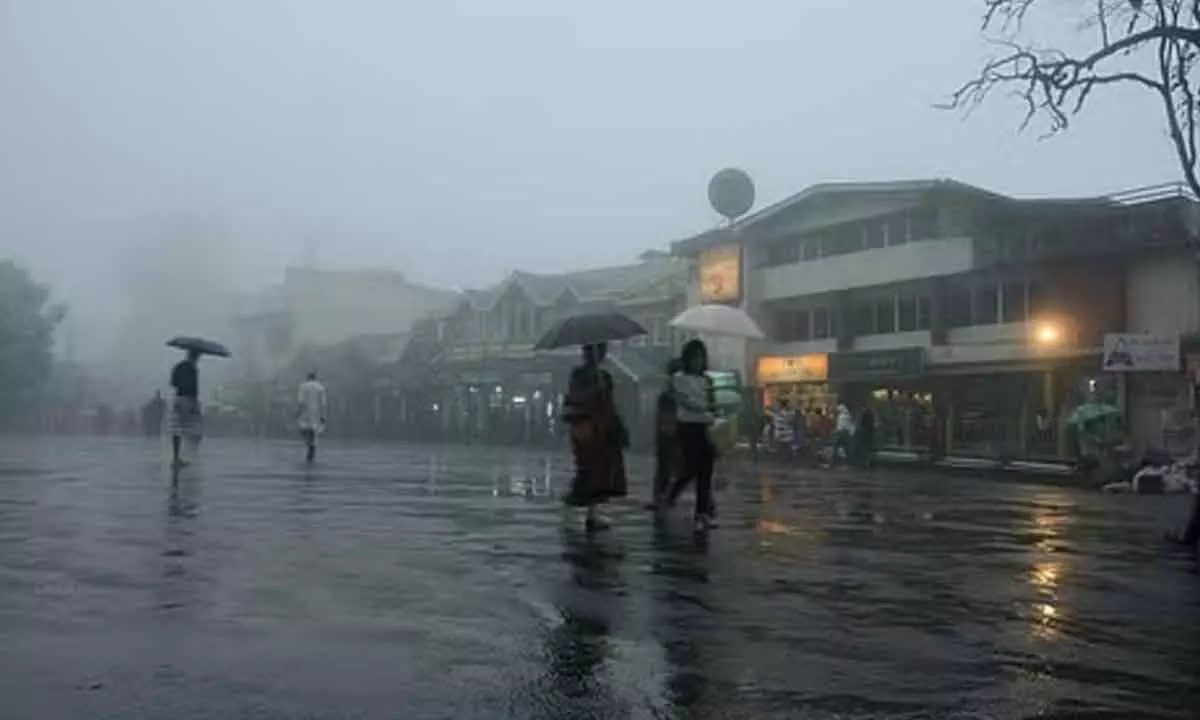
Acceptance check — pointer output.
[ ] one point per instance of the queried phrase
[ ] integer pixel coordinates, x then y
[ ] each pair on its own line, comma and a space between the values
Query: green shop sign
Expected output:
876, 364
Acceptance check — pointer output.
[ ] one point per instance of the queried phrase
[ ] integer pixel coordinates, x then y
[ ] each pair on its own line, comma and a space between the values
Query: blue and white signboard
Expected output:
1132, 352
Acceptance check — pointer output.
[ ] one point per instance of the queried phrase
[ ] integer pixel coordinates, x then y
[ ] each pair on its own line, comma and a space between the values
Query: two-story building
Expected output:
491, 384
936, 299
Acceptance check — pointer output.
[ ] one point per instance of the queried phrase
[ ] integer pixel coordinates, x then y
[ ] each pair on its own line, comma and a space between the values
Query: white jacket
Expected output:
691, 398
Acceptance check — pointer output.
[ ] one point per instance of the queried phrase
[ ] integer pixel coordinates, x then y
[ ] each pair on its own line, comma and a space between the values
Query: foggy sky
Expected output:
457, 140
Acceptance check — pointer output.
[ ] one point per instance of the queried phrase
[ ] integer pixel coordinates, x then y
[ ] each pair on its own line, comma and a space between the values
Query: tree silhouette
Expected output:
1150, 44
27, 322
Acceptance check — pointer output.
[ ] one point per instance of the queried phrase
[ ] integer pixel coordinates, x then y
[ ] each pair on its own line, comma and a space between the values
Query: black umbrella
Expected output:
200, 345
589, 329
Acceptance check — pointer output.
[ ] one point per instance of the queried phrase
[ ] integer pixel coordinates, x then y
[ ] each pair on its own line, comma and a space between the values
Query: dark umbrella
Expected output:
200, 345
589, 329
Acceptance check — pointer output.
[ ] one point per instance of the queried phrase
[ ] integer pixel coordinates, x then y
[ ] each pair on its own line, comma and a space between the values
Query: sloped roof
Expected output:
586, 285
718, 236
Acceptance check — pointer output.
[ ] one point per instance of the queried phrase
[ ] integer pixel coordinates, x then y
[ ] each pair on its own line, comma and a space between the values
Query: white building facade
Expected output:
961, 316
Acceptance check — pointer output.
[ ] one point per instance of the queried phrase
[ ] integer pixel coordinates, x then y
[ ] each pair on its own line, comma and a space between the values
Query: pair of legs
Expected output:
699, 456
665, 451
310, 445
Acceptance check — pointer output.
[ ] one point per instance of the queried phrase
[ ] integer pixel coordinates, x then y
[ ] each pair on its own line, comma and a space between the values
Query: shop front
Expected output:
802, 380
894, 385
502, 400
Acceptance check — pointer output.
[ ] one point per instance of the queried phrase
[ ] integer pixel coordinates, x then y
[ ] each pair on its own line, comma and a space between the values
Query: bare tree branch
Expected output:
1056, 86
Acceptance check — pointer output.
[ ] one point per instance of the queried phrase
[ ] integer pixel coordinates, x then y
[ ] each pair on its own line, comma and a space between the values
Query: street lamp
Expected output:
1047, 334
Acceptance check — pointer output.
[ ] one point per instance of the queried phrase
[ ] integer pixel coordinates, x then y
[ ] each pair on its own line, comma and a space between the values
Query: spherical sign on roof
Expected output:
731, 193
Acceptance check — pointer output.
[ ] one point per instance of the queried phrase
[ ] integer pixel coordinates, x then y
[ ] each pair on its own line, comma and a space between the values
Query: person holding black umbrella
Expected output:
598, 436
185, 408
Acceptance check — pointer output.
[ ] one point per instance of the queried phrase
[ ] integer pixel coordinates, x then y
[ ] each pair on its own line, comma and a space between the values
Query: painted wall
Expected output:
911, 261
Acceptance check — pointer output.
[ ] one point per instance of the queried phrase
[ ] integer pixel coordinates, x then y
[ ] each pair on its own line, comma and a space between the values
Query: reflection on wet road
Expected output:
406, 582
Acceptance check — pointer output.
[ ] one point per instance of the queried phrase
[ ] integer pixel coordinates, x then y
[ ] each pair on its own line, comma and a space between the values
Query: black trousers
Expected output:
665, 453
698, 458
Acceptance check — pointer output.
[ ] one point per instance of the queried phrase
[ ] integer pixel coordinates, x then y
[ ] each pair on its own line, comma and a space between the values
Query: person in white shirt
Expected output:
694, 415
310, 416
843, 433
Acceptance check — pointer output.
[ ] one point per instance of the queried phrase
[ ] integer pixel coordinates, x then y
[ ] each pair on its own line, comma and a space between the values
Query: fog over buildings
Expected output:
162, 160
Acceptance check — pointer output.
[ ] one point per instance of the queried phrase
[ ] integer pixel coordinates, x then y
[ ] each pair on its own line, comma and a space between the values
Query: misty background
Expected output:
160, 159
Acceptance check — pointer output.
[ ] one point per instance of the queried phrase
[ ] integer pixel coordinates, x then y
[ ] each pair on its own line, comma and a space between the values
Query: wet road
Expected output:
406, 582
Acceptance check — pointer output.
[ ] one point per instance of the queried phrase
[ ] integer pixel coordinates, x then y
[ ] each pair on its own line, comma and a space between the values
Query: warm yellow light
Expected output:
1048, 334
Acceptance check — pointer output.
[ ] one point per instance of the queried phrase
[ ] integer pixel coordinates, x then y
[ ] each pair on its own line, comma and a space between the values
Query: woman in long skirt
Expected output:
598, 436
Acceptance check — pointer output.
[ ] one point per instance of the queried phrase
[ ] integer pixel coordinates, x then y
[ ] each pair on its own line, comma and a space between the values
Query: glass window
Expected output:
822, 328
793, 325
885, 315
897, 229
985, 304
1036, 301
864, 318
810, 247
922, 223
1013, 303
958, 307
782, 252
906, 311
924, 312
853, 237
875, 234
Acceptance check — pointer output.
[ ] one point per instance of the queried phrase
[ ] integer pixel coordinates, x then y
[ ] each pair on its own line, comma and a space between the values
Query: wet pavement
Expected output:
426, 582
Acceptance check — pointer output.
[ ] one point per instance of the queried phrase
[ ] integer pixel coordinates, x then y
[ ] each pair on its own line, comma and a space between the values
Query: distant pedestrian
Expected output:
153, 414
666, 445
865, 437
310, 414
843, 433
695, 416
185, 408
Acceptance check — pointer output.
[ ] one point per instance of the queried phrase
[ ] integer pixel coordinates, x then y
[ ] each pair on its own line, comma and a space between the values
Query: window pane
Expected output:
821, 327
958, 307
828, 243
985, 305
1036, 302
897, 229
922, 223
875, 234
853, 237
924, 313
864, 318
906, 308
1014, 302
885, 315
810, 248
801, 324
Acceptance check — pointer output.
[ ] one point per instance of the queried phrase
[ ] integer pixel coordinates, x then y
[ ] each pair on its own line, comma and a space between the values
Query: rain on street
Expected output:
447, 582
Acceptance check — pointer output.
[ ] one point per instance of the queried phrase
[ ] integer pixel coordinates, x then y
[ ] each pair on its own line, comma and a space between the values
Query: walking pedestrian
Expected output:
185, 406
666, 445
598, 436
153, 414
865, 435
695, 416
843, 434
310, 414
